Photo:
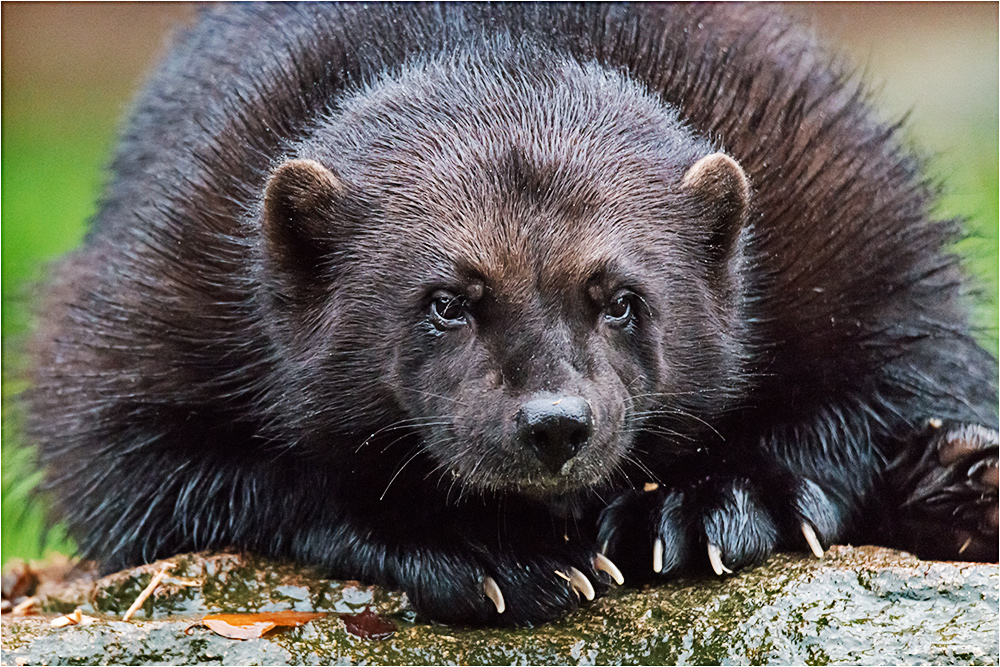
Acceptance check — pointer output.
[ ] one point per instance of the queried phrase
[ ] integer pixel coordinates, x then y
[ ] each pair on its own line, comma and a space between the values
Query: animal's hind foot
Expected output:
948, 484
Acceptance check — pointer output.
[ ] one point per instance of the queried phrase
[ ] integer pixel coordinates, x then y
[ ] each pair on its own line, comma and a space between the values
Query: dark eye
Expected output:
448, 311
620, 312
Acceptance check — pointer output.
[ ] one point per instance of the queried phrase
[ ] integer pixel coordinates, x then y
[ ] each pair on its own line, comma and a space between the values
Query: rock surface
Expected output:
856, 605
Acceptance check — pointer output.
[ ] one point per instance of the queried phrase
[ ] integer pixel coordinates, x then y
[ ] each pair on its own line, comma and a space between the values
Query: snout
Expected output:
555, 428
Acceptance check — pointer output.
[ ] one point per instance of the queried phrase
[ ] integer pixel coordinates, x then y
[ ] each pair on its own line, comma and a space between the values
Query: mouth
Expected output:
549, 488
506, 466
526, 477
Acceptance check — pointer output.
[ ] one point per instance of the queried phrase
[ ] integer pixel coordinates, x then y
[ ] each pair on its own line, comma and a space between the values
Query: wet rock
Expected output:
857, 605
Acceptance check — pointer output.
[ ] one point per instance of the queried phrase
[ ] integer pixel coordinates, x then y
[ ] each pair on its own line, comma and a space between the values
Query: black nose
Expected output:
555, 427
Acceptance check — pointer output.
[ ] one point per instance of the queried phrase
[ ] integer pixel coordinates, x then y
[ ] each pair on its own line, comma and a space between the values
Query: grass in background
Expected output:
52, 174
972, 193
24, 528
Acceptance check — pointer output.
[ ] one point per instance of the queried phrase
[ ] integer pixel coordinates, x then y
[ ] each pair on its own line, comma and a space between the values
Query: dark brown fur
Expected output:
421, 294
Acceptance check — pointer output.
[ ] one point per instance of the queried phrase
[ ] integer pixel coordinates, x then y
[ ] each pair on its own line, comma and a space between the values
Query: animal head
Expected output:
528, 267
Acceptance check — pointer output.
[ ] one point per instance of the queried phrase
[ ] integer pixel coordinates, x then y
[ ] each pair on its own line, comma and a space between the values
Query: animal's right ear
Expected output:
300, 209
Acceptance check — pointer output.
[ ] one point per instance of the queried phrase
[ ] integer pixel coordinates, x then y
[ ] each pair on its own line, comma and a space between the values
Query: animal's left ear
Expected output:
721, 187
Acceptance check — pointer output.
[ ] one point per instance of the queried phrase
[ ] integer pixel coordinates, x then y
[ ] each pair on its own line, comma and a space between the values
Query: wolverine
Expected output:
502, 305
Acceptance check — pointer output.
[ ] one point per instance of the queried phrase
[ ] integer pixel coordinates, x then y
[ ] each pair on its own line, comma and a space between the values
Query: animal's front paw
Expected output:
482, 587
946, 484
720, 521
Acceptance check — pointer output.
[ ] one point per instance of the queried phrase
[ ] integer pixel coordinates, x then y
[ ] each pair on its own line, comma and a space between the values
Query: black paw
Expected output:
945, 488
479, 587
723, 522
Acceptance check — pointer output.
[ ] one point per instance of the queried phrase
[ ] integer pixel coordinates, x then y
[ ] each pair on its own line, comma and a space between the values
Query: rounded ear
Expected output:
719, 182
722, 190
300, 203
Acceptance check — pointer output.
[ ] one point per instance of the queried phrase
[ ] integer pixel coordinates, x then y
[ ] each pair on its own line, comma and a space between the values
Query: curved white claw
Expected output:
604, 564
715, 558
580, 583
493, 592
657, 555
812, 540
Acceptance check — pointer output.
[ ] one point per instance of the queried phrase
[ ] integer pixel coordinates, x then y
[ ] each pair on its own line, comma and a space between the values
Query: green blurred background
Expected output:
69, 71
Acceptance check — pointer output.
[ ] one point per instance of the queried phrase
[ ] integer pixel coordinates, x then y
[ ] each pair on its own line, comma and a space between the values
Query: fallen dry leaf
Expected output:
76, 618
61, 622
369, 625
19, 581
24, 607
252, 626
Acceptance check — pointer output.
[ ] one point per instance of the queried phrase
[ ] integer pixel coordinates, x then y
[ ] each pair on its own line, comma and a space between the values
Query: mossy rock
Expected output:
855, 606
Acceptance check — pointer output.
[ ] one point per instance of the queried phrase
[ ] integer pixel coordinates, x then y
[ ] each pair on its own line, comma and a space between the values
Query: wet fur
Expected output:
200, 384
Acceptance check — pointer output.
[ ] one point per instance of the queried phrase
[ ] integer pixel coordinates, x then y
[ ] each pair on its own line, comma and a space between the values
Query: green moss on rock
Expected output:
857, 605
